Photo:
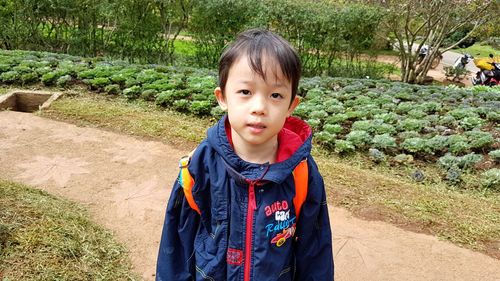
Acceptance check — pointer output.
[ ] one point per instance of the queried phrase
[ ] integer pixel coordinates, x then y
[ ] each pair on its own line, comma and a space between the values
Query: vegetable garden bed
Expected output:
394, 123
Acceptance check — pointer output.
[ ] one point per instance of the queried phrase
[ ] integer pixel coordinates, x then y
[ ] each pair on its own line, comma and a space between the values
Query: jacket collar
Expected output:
294, 144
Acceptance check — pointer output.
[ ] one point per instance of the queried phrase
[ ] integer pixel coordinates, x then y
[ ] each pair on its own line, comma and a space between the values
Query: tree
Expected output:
415, 23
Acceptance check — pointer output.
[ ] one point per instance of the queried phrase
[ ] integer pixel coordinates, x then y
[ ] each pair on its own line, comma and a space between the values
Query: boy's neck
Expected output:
258, 154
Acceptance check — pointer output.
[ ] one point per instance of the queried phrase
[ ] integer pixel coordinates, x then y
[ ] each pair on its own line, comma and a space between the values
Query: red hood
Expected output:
290, 138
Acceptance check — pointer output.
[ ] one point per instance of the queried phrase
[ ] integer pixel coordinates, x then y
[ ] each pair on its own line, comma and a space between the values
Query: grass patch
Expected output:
467, 217
479, 50
46, 238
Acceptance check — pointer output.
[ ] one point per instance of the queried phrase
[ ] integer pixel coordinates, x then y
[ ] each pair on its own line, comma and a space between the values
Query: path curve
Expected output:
124, 182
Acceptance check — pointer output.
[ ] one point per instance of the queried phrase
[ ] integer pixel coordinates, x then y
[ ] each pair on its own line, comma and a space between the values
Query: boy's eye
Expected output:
276, 96
244, 92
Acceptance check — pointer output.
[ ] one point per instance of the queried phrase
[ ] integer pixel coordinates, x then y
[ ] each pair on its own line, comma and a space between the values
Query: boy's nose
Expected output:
258, 105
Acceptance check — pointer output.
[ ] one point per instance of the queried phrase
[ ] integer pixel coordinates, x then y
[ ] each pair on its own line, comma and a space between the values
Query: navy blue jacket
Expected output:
247, 214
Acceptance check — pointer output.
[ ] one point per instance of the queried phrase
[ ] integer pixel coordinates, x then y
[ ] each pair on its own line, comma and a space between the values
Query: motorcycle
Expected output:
457, 72
423, 53
489, 73
462, 61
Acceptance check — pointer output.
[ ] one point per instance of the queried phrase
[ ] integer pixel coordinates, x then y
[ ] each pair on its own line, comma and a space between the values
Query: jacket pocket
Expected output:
210, 250
286, 274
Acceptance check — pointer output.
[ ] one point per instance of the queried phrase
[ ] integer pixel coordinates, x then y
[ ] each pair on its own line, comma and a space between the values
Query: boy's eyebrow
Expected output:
275, 85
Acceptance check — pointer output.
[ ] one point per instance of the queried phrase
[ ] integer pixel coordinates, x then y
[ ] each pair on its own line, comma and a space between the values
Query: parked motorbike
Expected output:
489, 73
457, 72
424, 51
462, 61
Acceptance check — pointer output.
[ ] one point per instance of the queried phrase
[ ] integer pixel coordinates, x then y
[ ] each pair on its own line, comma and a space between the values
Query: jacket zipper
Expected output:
252, 206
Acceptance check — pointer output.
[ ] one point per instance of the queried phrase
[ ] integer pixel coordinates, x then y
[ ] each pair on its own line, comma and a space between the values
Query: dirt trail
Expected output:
125, 182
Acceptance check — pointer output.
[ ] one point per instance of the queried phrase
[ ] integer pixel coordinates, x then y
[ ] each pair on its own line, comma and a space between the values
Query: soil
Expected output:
125, 182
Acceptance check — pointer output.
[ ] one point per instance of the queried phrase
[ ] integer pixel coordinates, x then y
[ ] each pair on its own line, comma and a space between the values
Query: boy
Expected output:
250, 203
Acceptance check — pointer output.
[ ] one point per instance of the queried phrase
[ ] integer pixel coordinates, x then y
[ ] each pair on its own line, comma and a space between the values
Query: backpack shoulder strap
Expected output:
301, 178
187, 181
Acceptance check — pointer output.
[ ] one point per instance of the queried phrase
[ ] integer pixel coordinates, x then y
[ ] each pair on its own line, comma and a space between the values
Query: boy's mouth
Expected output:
256, 127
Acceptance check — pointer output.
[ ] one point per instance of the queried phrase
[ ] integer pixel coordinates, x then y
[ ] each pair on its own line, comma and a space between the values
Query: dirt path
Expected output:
124, 182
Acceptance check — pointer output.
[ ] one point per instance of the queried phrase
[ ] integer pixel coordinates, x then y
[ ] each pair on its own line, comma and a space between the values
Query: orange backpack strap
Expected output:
301, 178
187, 182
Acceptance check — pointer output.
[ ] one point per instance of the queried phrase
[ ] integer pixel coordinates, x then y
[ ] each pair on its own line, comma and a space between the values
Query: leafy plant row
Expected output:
393, 122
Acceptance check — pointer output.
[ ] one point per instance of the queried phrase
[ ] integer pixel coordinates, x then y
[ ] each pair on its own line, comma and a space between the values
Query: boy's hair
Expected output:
254, 43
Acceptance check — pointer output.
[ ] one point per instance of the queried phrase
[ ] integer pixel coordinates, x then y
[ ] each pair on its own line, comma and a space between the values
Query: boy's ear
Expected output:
220, 98
293, 105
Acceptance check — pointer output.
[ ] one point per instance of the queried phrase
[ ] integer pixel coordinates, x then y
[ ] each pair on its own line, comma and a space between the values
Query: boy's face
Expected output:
256, 107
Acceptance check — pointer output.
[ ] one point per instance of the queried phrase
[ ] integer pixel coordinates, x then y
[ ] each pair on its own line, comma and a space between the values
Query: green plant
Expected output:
10, 77
384, 142
132, 92
478, 139
181, 105
469, 160
376, 155
491, 179
415, 145
201, 107
64, 81
458, 144
344, 147
358, 138
469, 123
332, 128
495, 155
325, 138
113, 89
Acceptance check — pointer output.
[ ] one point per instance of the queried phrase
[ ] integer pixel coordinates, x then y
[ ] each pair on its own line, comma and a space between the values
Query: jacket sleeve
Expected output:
175, 257
313, 251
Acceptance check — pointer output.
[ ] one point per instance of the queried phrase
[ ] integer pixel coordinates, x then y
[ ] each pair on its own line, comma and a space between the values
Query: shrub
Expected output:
332, 128
325, 138
493, 116
217, 112
318, 114
454, 175
469, 123
29, 77
149, 95
415, 145
64, 81
437, 143
181, 105
495, 155
363, 125
458, 144
384, 142
411, 124
337, 118
113, 89
344, 147
447, 120
201, 107
50, 78
10, 77
469, 160
99, 83
491, 179
376, 155
132, 92
448, 161
358, 138
314, 123
479, 139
